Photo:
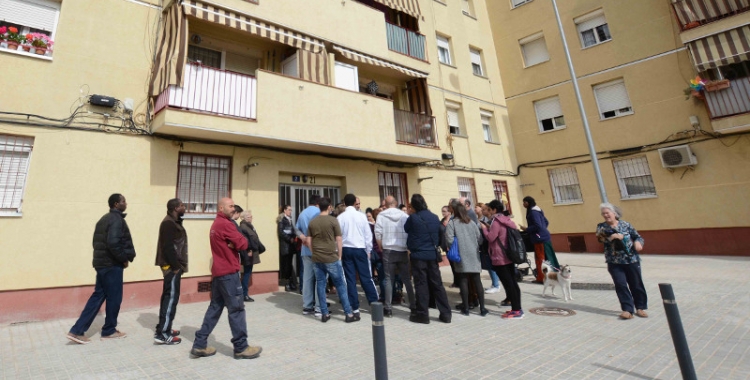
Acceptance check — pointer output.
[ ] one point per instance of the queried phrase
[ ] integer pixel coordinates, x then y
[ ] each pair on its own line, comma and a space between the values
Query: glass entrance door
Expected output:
299, 196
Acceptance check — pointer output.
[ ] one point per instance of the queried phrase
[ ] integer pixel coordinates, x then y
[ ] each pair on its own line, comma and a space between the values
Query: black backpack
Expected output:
516, 249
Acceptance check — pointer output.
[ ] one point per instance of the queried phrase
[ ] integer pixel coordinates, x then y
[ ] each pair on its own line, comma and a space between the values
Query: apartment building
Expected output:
264, 101
674, 158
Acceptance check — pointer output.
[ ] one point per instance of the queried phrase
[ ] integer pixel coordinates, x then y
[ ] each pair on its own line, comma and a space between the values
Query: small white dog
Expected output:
561, 278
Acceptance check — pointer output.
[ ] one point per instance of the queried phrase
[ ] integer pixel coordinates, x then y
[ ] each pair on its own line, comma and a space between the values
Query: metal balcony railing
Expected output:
414, 128
405, 41
734, 100
206, 89
694, 13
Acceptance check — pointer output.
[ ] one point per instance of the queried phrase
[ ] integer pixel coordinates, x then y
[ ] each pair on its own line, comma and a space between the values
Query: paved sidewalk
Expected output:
712, 294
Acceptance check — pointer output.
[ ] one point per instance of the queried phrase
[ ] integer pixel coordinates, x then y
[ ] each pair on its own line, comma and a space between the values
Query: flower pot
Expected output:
692, 24
12, 45
717, 85
697, 94
40, 51
26, 48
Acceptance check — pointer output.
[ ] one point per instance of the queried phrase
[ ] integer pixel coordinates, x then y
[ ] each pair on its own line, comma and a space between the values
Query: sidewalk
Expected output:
712, 294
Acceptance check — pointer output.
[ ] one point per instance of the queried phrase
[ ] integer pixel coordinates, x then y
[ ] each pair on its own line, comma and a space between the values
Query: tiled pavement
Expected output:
712, 294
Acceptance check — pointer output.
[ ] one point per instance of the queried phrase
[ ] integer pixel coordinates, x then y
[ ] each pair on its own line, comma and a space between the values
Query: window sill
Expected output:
638, 197
448, 64
10, 214
199, 216
553, 130
26, 54
519, 5
536, 64
595, 45
469, 15
492, 142
568, 204
615, 117
482, 76
441, 2
461, 136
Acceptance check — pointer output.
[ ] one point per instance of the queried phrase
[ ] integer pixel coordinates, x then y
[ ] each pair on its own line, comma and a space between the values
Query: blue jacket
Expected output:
423, 229
537, 226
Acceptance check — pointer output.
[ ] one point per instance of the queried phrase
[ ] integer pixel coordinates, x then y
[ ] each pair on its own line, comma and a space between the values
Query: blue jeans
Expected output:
355, 261
629, 286
495, 279
308, 284
246, 278
225, 291
336, 273
108, 288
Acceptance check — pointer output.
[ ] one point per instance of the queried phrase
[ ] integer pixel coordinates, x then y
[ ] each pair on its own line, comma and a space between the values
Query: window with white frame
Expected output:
466, 188
15, 152
534, 49
453, 111
444, 50
549, 114
634, 178
518, 3
346, 76
565, 186
612, 99
203, 180
467, 7
393, 184
488, 126
593, 28
30, 17
476, 62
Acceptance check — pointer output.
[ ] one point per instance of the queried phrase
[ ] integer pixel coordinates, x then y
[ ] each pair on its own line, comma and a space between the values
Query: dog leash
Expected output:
556, 268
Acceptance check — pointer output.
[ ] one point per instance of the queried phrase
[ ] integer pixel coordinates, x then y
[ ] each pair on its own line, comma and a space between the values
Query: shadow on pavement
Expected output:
551, 302
187, 333
625, 372
148, 320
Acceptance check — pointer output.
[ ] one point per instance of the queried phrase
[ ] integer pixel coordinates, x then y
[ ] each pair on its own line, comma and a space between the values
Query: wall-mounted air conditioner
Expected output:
677, 156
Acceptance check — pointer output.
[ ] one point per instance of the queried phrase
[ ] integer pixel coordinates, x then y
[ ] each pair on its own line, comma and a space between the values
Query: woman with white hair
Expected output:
253, 251
621, 246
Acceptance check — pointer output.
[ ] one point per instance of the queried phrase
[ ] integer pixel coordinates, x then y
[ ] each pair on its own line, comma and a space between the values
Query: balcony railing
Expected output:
414, 128
206, 89
694, 13
730, 101
405, 41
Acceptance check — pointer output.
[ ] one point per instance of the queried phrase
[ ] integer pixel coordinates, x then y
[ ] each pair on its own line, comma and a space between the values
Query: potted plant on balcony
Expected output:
717, 85
13, 38
39, 41
695, 88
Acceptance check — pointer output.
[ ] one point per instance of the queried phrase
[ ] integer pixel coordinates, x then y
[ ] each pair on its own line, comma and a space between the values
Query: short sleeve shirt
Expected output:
323, 231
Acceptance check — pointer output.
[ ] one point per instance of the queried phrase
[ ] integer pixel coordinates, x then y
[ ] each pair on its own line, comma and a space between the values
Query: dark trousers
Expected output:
248, 272
300, 269
427, 279
170, 296
629, 286
286, 268
506, 273
225, 291
355, 262
108, 288
463, 284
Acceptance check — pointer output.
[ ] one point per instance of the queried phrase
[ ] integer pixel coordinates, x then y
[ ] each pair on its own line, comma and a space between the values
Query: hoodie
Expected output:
537, 225
389, 229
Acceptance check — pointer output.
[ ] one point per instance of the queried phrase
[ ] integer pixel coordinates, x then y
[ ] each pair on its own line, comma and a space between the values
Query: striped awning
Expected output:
410, 7
732, 46
688, 11
171, 50
370, 60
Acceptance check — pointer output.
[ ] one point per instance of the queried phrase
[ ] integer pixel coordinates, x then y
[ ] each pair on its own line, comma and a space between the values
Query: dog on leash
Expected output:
561, 278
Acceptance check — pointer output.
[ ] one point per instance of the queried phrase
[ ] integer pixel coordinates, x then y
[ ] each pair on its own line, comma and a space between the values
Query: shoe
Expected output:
287, 288
318, 314
505, 302
356, 316
473, 305
483, 312
325, 318
641, 313
251, 352
308, 311
352, 318
465, 312
412, 312
419, 319
513, 314
388, 313
202, 352
248, 299
459, 306
492, 290
80, 339
445, 318
626, 315
174, 332
116, 335
292, 287
170, 340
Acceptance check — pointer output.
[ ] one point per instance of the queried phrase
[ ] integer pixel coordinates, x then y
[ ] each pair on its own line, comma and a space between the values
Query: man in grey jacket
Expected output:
390, 235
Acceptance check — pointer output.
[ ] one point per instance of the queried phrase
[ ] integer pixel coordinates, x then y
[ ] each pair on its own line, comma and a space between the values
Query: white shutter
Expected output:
535, 52
36, 14
346, 76
453, 117
548, 108
590, 21
476, 57
611, 96
465, 6
443, 43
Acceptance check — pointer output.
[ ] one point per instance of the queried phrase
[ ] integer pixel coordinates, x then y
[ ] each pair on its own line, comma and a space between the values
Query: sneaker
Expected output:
202, 352
116, 335
492, 290
308, 311
248, 299
513, 314
80, 339
356, 315
465, 312
325, 318
170, 340
318, 314
505, 302
174, 332
483, 312
445, 318
641, 313
626, 315
388, 313
352, 318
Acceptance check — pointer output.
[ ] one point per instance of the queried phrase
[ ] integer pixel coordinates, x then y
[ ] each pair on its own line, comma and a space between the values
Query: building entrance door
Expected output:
299, 196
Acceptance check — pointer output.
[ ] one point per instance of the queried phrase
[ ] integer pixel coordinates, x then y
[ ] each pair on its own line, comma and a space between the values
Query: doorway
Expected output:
299, 196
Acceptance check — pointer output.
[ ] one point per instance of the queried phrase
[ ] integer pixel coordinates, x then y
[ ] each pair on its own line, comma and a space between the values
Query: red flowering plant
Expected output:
3, 30
14, 36
39, 40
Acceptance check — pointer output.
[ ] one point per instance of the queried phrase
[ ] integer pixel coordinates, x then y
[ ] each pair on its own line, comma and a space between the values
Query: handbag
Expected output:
453, 255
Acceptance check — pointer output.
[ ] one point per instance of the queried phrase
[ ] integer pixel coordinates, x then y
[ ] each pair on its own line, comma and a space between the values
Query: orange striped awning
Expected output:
370, 60
732, 46
171, 50
410, 7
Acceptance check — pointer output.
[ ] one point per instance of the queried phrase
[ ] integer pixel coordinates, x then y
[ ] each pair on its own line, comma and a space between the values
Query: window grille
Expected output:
205, 57
565, 186
14, 165
393, 184
202, 181
634, 178
500, 188
466, 189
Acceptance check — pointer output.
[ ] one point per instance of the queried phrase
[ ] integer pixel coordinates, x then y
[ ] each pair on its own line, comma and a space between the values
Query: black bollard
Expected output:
678, 333
378, 342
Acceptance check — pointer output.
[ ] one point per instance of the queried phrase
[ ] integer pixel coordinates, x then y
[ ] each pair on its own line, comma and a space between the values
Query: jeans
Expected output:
108, 288
336, 273
629, 286
308, 284
225, 291
248, 272
170, 296
507, 278
495, 279
355, 261
428, 281
397, 262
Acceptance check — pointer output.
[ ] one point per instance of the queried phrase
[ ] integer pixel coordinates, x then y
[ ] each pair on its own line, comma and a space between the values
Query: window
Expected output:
202, 181
518, 3
290, 66
454, 125
466, 189
549, 114
203, 56
565, 187
14, 168
592, 28
30, 16
467, 7
534, 50
393, 184
634, 178
612, 99
488, 127
346, 76
444, 50
500, 188
476, 62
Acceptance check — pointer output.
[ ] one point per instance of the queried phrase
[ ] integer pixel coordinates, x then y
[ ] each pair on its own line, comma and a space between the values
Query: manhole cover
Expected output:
552, 311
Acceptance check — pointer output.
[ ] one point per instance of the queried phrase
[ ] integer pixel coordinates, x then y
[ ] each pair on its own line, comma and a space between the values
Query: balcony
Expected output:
694, 13
405, 41
414, 128
731, 101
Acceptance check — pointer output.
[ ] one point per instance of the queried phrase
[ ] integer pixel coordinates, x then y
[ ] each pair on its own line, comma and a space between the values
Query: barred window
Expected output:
393, 184
466, 189
14, 166
565, 186
202, 181
500, 188
634, 178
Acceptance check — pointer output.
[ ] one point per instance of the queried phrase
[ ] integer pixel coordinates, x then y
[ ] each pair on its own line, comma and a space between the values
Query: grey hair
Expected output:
609, 206
245, 213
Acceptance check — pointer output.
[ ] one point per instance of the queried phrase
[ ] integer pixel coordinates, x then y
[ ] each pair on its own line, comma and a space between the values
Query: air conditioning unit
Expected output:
677, 156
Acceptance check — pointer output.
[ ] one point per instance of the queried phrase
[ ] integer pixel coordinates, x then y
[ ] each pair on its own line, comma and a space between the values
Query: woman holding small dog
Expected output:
621, 246
461, 227
497, 236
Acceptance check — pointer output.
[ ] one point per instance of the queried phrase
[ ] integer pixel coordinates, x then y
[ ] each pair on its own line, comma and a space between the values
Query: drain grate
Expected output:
204, 287
552, 311
592, 286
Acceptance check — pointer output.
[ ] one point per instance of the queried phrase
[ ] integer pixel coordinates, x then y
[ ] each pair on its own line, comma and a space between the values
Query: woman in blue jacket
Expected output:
540, 237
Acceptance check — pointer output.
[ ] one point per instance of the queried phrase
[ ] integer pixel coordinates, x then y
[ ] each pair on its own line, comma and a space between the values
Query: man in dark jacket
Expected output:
172, 258
113, 250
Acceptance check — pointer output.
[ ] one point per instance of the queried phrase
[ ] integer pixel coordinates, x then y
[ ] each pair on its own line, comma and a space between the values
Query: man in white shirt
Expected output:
357, 237
390, 235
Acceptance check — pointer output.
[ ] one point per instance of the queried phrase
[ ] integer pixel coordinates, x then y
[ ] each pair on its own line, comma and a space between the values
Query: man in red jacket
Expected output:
226, 289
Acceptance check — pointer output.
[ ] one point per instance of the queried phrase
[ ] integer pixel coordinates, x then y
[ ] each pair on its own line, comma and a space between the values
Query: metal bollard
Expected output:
378, 342
678, 333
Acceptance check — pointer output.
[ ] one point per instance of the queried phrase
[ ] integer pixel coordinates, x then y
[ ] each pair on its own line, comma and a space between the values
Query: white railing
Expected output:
206, 89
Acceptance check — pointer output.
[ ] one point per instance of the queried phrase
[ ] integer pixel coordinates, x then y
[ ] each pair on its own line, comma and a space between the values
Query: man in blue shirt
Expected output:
310, 303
